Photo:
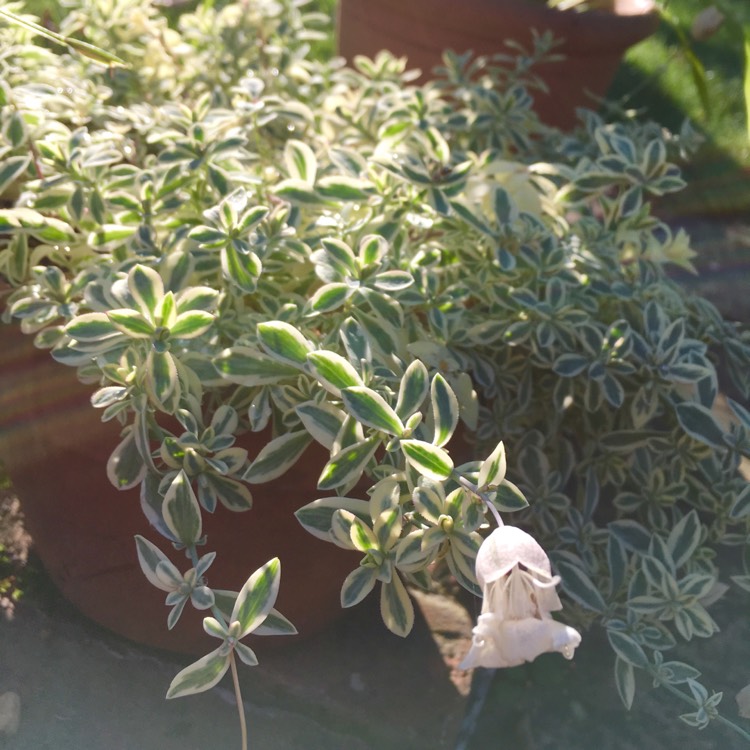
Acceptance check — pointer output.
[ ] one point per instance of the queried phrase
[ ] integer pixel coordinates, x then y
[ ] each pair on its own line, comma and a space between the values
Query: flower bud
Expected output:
706, 23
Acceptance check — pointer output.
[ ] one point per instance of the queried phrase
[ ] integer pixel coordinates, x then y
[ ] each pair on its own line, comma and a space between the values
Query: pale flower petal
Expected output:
501, 643
504, 548
515, 625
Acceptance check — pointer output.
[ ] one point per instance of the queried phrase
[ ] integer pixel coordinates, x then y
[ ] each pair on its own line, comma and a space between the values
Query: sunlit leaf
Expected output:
371, 409
200, 676
429, 460
357, 585
396, 608
276, 458
257, 597
181, 511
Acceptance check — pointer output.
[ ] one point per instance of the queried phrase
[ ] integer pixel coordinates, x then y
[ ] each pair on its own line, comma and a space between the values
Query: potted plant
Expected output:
245, 254
590, 40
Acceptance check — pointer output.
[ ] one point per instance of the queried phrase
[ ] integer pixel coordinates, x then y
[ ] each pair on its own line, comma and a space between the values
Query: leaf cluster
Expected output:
226, 236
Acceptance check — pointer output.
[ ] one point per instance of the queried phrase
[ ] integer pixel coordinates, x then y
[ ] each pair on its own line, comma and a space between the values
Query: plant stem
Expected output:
471, 487
718, 717
238, 698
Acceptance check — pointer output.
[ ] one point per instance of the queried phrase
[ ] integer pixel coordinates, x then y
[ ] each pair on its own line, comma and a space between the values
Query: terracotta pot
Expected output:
55, 449
594, 42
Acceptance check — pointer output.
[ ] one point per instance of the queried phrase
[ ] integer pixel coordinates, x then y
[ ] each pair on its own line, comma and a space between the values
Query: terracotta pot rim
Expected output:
582, 33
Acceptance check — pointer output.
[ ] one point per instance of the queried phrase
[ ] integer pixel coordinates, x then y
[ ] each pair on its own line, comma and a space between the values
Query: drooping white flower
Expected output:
519, 594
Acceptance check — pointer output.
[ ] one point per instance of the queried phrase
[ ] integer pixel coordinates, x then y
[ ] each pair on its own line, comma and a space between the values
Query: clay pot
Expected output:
55, 448
594, 42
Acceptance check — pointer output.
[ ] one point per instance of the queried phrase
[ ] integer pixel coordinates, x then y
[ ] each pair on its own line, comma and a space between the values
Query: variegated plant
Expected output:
229, 235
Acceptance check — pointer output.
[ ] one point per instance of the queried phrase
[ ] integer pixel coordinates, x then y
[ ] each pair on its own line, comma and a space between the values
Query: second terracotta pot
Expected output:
593, 42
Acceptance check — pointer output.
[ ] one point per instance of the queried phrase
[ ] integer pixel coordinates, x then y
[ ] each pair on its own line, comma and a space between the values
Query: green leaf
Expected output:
493, 468
698, 422
372, 248
413, 389
570, 365
509, 497
627, 441
91, 327
741, 506
580, 587
677, 672
412, 554
110, 233
191, 324
251, 218
684, 538
393, 281
284, 343
371, 409
162, 382
181, 511
631, 534
242, 269
625, 681
11, 168
277, 457
444, 410
360, 533
396, 608
617, 560
337, 254
196, 298
322, 421
149, 558
298, 192
250, 367
125, 467
147, 288
429, 460
300, 161
229, 492
331, 296
316, 517
357, 585
334, 371
627, 649
341, 188
348, 464
131, 323
429, 501
246, 654
208, 237
257, 597
462, 555
200, 676
612, 389
275, 624
53, 231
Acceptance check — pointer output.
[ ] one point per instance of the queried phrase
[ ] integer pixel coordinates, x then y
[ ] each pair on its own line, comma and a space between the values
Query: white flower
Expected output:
519, 594
516, 178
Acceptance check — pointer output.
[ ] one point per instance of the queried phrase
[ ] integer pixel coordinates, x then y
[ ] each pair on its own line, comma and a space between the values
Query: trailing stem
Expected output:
717, 717
238, 698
